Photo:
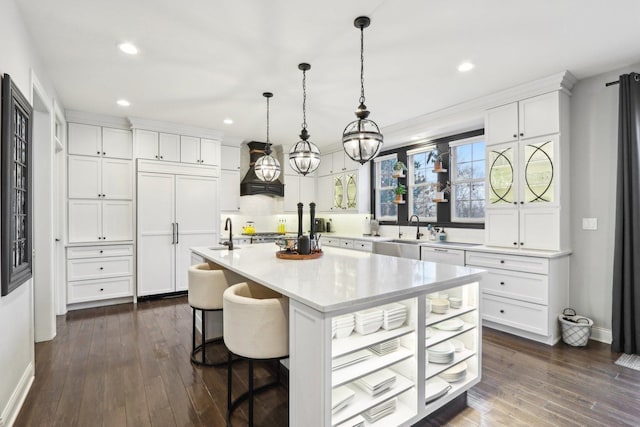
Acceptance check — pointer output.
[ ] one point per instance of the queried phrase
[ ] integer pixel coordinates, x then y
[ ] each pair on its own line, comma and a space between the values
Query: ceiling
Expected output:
202, 61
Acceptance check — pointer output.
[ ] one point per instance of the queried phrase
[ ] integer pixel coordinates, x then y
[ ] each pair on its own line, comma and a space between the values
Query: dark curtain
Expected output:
626, 264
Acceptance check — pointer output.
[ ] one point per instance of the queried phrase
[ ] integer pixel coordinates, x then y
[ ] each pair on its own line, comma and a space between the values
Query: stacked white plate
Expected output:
368, 321
385, 347
441, 353
435, 388
342, 326
351, 359
457, 345
455, 373
455, 302
439, 305
394, 316
356, 421
377, 382
341, 397
450, 325
380, 411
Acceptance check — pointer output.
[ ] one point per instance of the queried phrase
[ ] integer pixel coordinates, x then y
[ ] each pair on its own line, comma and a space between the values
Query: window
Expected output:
384, 185
467, 179
423, 184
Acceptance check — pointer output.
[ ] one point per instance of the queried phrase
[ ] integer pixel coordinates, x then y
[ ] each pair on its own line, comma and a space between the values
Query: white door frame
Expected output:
43, 213
60, 207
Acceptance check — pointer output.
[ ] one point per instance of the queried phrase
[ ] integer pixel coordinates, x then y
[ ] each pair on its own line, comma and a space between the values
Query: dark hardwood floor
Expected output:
129, 365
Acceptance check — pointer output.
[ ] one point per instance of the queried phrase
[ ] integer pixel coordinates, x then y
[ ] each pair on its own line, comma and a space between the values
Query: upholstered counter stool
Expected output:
256, 327
207, 283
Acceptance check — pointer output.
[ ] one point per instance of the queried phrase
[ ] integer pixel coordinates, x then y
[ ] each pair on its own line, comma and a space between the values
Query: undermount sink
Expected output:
398, 248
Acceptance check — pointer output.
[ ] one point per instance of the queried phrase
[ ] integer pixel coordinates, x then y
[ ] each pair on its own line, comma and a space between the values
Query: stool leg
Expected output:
204, 336
193, 332
229, 389
250, 393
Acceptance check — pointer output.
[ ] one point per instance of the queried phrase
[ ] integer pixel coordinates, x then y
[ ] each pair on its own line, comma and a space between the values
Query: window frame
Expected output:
453, 173
377, 187
411, 182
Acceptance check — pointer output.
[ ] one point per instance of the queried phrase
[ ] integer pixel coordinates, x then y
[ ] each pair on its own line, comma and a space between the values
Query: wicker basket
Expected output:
575, 329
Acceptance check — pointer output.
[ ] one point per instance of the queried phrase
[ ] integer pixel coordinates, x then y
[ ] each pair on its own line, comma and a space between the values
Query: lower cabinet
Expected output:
522, 294
441, 255
392, 365
358, 245
99, 272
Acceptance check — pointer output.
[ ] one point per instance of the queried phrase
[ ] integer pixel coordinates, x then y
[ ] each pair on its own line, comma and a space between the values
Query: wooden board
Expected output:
295, 255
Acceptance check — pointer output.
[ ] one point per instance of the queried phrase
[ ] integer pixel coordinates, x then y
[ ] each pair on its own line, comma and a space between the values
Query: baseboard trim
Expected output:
601, 334
11, 411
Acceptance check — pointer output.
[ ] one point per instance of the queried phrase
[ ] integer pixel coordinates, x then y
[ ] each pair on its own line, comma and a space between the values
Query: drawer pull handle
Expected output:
502, 283
441, 250
101, 289
501, 261
502, 311
101, 251
101, 268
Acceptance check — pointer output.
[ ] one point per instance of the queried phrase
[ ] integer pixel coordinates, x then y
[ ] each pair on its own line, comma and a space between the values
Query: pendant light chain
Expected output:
362, 65
268, 148
304, 99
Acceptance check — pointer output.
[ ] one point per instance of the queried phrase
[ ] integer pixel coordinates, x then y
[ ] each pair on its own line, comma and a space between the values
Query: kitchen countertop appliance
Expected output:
320, 225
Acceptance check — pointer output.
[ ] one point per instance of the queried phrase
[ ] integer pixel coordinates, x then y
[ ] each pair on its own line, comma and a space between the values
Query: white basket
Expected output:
575, 329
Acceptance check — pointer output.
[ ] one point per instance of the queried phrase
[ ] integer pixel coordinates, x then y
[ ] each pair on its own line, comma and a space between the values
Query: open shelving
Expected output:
355, 341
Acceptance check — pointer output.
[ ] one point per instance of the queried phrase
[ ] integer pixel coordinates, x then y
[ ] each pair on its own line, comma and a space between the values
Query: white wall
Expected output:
17, 58
594, 139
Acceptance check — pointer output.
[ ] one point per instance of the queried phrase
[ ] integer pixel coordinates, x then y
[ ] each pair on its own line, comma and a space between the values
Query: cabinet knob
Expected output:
522, 203
101, 251
521, 134
515, 243
501, 261
502, 311
97, 152
156, 156
515, 135
521, 243
515, 203
101, 289
104, 238
162, 157
101, 268
502, 283
104, 154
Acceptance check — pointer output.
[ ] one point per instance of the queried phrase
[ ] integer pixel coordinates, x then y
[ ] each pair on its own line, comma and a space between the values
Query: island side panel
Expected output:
310, 370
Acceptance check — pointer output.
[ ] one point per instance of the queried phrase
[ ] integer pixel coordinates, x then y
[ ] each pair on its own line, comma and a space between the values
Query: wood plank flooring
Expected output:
128, 365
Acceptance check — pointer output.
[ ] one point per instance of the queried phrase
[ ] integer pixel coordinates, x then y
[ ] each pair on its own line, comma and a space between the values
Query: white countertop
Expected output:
342, 278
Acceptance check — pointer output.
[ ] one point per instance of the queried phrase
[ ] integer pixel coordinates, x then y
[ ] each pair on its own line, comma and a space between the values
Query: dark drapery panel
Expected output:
626, 264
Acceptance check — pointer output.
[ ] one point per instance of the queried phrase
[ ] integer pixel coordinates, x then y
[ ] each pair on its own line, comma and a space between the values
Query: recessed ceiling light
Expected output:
465, 66
123, 102
128, 48
228, 121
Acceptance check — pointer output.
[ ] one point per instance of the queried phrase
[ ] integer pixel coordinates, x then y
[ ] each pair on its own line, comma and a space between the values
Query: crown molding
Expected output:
168, 127
469, 115
87, 118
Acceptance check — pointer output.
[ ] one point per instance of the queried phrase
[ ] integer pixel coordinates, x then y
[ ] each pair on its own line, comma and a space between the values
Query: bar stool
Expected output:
256, 327
207, 283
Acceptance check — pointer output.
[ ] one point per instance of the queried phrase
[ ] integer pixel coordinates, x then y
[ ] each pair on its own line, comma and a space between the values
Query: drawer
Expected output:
517, 314
96, 268
346, 243
363, 245
99, 251
92, 290
508, 262
522, 286
330, 241
444, 256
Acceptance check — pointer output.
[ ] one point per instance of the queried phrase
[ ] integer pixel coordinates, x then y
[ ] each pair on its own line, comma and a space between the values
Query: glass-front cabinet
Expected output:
345, 191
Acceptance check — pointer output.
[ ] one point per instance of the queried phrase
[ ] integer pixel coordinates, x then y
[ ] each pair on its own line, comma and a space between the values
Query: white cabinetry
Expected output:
343, 185
521, 294
442, 255
229, 179
176, 211
97, 221
199, 150
99, 272
527, 174
297, 189
90, 140
94, 177
157, 145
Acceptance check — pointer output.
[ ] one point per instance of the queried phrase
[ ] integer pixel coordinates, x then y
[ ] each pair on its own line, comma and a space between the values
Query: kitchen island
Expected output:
343, 282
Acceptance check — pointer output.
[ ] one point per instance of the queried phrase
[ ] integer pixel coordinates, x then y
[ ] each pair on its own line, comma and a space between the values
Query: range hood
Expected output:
251, 185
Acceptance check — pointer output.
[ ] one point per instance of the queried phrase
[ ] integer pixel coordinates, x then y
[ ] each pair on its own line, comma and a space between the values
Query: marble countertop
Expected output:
341, 278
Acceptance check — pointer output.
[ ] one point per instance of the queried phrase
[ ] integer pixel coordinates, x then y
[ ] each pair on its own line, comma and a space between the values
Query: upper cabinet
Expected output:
157, 145
197, 150
96, 141
343, 185
529, 118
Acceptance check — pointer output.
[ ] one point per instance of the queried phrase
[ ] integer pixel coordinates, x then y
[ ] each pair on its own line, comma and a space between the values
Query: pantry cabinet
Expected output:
102, 178
229, 178
100, 220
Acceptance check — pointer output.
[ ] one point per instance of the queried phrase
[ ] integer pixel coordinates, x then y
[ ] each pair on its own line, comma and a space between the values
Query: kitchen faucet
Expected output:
418, 233
229, 226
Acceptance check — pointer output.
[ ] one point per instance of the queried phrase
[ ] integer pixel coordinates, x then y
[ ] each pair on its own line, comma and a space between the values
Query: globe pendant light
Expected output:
267, 167
304, 156
361, 138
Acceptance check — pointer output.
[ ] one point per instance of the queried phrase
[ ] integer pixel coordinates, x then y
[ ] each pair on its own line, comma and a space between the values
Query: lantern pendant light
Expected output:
267, 167
304, 156
361, 138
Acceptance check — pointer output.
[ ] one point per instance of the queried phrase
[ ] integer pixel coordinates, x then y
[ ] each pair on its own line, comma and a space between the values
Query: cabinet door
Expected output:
351, 190
117, 179
338, 192
189, 149
539, 228
156, 248
85, 221
196, 219
209, 152
338, 163
539, 115
146, 144
501, 227
502, 175
501, 124
230, 157
117, 220
325, 193
538, 171
291, 193
307, 190
326, 165
117, 143
229, 190
84, 177
169, 147
85, 140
